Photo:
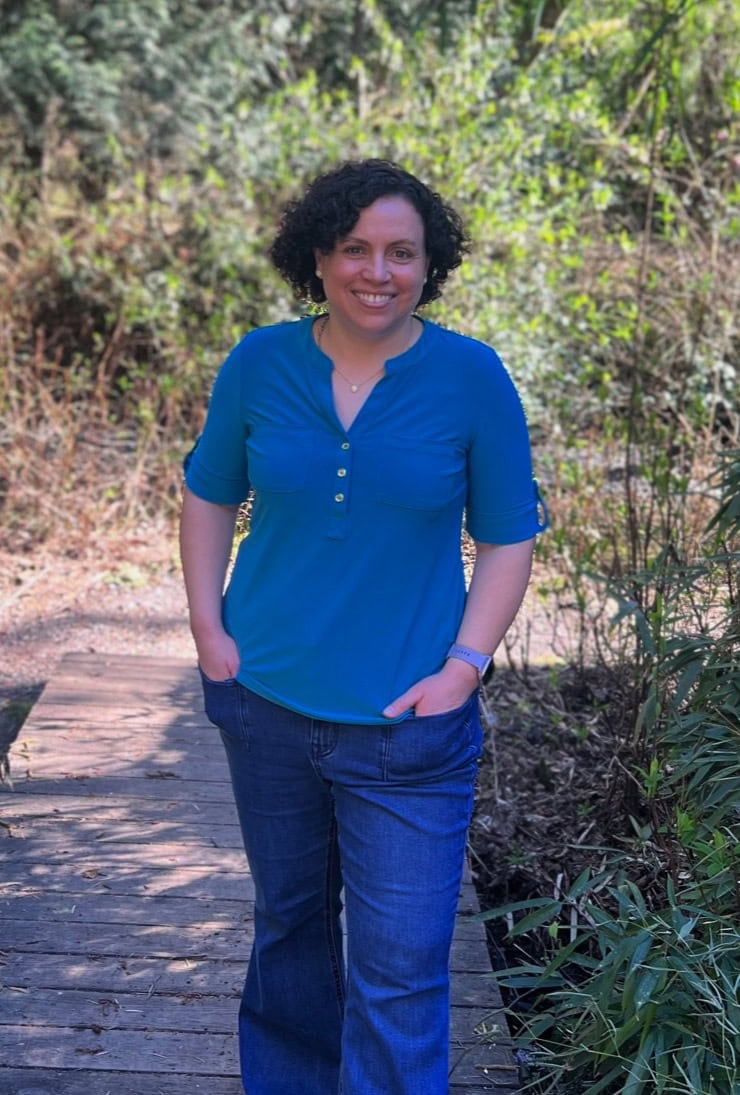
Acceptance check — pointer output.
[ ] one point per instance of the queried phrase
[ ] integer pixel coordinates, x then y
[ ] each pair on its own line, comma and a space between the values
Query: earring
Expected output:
319, 275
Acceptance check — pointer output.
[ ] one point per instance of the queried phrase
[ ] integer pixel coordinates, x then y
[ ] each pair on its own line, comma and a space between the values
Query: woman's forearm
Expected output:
497, 587
206, 537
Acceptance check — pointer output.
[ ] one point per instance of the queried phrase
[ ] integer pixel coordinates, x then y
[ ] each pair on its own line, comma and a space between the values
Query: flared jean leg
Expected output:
290, 1019
402, 844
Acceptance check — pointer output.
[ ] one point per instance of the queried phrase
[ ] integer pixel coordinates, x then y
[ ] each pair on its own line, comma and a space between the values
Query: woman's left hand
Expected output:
440, 692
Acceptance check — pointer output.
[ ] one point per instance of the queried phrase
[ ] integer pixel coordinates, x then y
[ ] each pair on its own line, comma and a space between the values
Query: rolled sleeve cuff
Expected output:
511, 527
211, 488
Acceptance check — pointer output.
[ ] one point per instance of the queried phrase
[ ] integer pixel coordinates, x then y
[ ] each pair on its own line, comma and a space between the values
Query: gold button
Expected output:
338, 497
341, 472
345, 445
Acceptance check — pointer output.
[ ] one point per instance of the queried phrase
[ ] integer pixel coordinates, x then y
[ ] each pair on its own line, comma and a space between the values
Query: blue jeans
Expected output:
380, 815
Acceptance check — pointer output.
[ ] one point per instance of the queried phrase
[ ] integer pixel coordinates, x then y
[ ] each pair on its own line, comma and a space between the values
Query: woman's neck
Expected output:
358, 354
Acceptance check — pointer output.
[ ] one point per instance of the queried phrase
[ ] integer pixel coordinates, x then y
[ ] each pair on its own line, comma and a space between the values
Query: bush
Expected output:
637, 990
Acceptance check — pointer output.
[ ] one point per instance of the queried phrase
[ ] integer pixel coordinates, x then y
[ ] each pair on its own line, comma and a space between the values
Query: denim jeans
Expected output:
378, 816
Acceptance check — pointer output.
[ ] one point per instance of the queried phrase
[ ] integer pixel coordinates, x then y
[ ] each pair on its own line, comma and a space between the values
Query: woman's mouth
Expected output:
374, 298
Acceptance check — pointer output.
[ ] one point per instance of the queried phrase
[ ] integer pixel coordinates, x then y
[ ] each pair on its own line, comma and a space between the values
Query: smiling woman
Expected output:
342, 664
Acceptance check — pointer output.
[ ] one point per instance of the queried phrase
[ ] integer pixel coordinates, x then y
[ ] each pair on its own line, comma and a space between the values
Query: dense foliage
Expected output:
592, 148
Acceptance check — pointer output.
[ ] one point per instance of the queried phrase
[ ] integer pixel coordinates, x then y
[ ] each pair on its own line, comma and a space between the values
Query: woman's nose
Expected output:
377, 267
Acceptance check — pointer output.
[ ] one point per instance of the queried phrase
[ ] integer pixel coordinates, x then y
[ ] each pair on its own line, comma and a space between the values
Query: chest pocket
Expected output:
425, 475
278, 459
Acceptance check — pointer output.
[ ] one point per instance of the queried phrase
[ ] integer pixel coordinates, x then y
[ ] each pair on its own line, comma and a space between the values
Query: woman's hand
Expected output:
443, 691
218, 655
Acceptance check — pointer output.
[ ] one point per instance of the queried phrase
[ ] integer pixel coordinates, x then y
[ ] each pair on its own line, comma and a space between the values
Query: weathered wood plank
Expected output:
64, 1047
130, 940
139, 764
93, 833
123, 1011
215, 976
181, 790
476, 1065
25, 803
64, 745
94, 716
202, 913
82, 855
51, 1081
101, 876
468, 955
176, 692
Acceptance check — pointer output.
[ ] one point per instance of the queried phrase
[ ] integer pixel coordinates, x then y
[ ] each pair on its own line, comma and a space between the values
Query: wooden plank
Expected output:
479, 1065
81, 855
105, 974
138, 764
184, 743
185, 834
50, 1081
93, 908
124, 1010
27, 804
181, 790
176, 693
468, 955
132, 940
100, 876
94, 716
65, 1048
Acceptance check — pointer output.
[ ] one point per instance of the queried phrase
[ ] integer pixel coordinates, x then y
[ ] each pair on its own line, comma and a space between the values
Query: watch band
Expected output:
481, 662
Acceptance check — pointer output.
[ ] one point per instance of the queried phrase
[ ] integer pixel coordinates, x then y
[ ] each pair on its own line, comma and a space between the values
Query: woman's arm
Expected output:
206, 536
497, 587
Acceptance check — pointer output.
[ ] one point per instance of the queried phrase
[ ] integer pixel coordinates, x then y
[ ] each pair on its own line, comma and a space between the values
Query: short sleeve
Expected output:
504, 504
216, 469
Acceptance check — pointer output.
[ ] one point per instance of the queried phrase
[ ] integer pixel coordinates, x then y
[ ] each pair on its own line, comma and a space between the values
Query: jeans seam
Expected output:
331, 858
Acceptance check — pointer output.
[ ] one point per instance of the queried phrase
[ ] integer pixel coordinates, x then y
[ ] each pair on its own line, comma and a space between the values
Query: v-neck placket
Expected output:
319, 369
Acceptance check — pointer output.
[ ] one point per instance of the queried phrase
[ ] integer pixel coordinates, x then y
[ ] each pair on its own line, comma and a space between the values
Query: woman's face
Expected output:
374, 277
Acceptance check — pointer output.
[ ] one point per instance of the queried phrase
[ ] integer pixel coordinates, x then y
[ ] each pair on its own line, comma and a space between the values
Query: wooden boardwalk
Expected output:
126, 906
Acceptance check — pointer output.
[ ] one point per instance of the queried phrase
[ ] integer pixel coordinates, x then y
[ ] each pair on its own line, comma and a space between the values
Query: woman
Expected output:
343, 662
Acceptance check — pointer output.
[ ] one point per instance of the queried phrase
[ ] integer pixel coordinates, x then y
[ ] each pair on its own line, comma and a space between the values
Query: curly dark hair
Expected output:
330, 208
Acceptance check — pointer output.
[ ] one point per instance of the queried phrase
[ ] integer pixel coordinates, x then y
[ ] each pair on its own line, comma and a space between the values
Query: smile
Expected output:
374, 298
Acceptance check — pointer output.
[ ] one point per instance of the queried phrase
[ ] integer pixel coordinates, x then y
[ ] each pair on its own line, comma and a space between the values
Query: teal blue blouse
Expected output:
349, 586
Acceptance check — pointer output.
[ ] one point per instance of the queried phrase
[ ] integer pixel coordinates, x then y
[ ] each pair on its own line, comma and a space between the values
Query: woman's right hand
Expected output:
218, 656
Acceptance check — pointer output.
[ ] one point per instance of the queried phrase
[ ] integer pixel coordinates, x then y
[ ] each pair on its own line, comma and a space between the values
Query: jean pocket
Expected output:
225, 704
423, 746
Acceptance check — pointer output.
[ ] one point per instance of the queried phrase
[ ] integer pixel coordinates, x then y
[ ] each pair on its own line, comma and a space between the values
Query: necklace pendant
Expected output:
354, 387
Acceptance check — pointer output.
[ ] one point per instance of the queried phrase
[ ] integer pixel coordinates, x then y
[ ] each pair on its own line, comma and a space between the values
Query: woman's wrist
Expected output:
205, 629
463, 672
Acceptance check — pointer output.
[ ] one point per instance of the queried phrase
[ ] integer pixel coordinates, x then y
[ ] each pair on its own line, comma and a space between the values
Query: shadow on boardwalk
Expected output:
126, 905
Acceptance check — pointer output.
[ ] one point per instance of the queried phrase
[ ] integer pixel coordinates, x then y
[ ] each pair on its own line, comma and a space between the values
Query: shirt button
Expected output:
338, 497
341, 472
345, 445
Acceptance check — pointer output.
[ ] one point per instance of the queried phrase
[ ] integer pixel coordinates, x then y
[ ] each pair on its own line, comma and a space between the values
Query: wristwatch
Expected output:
466, 654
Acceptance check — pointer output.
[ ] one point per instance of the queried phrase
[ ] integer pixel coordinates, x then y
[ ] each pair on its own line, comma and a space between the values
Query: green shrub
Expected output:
639, 984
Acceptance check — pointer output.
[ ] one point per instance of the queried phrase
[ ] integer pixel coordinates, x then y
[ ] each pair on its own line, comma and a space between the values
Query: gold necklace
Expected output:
352, 386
